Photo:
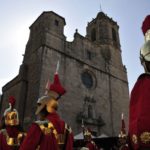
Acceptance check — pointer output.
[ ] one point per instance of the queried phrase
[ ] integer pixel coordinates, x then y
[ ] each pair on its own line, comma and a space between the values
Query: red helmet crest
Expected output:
146, 24
12, 101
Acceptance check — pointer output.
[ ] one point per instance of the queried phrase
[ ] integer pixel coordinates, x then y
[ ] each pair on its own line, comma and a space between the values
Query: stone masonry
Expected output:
91, 70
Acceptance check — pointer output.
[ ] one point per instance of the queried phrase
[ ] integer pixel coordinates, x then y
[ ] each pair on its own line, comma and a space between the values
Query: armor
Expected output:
10, 135
53, 93
50, 132
87, 134
11, 114
47, 127
13, 141
145, 49
46, 101
89, 143
139, 120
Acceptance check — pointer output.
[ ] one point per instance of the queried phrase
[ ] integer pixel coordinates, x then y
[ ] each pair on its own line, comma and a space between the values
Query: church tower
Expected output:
91, 70
103, 30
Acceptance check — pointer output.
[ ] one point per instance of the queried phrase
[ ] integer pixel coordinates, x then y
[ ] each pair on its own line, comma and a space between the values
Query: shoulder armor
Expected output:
40, 122
46, 127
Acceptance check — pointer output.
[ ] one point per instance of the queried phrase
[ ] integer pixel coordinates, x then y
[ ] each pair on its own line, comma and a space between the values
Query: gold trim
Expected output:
11, 118
13, 141
48, 128
134, 139
145, 137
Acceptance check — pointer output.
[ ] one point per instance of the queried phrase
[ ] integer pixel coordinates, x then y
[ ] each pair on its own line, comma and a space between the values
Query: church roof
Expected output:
101, 15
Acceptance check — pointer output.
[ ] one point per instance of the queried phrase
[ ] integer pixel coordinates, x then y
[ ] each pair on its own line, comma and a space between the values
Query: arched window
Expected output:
93, 34
90, 111
114, 35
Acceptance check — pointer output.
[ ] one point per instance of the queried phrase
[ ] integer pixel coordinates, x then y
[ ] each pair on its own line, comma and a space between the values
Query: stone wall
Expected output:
91, 71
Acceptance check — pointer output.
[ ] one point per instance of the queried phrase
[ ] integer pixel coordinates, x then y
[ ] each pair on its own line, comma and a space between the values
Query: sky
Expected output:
17, 16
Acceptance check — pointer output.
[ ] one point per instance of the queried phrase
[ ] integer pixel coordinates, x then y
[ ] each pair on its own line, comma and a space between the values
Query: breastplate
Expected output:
48, 128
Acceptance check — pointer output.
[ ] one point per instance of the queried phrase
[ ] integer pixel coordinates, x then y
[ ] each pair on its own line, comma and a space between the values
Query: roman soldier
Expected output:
89, 143
11, 134
50, 132
139, 120
123, 136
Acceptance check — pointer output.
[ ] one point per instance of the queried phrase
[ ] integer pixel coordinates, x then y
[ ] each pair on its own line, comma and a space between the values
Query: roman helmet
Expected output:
145, 50
53, 93
87, 134
10, 114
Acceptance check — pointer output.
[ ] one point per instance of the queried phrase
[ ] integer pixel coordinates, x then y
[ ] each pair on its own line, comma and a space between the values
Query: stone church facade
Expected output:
91, 70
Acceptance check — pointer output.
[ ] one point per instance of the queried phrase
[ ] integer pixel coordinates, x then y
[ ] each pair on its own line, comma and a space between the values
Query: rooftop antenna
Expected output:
100, 7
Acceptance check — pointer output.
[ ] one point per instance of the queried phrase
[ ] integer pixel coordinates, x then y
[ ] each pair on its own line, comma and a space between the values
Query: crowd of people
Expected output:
50, 132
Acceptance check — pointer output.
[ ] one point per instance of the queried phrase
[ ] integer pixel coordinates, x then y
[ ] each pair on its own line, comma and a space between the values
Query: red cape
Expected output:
35, 136
139, 113
91, 145
12, 131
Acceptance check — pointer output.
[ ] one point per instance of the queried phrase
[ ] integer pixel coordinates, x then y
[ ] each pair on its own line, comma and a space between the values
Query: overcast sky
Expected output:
17, 15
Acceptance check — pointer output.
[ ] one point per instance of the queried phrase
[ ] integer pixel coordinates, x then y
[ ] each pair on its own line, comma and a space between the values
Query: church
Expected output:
91, 70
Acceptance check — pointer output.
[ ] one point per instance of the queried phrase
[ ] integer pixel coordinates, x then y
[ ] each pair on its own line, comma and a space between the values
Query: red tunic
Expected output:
139, 113
13, 132
91, 145
35, 137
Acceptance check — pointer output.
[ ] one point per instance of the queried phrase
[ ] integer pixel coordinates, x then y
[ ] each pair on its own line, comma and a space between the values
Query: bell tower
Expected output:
103, 30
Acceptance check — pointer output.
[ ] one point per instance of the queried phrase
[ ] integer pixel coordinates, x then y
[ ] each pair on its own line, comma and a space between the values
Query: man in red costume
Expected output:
139, 114
10, 133
123, 136
50, 132
89, 143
